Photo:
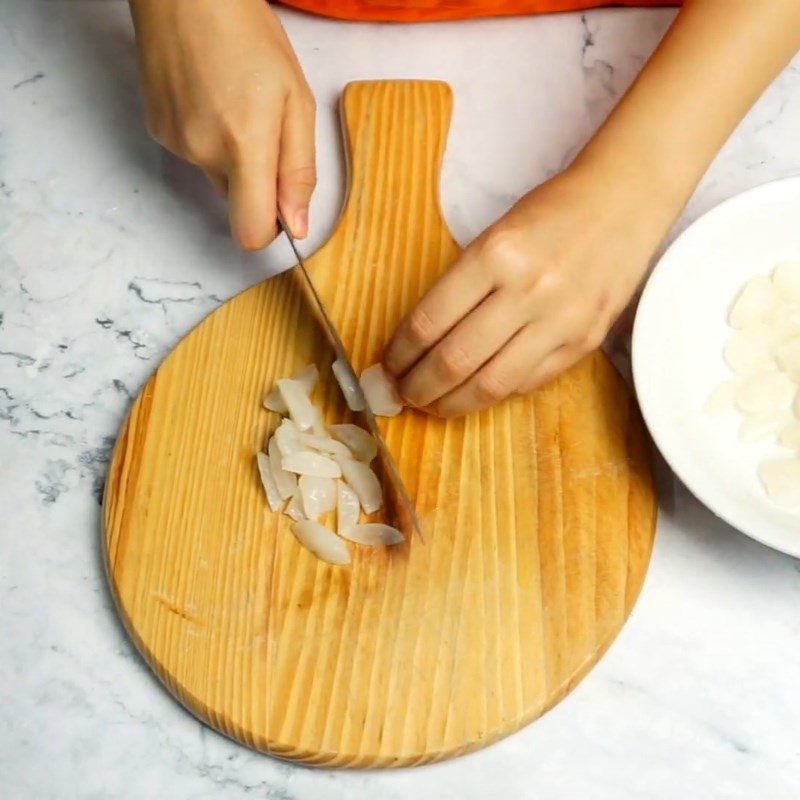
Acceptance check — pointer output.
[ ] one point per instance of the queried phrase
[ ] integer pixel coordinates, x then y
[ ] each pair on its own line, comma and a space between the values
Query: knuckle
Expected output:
420, 327
240, 135
303, 176
492, 387
506, 255
453, 362
550, 282
307, 101
198, 146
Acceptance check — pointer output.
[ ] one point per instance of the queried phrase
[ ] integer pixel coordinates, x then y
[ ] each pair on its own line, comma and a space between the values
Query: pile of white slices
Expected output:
763, 352
310, 468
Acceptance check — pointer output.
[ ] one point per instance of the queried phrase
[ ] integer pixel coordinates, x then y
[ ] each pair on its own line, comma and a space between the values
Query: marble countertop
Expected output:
110, 252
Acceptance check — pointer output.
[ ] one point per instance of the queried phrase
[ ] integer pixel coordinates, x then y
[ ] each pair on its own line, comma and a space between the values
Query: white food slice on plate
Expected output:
781, 479
287, 437
754, 303
348, 508
268, 481
294, 508
324, 543
347, 383
786, 279
364, 482
749, 351
319, 495
374, 534
307, 378
285, 481
324, 444
721, 400
307, 462
786, 321
787, 356
360, 442
790, 435
300, 408
765, 392
760, 426
380, 391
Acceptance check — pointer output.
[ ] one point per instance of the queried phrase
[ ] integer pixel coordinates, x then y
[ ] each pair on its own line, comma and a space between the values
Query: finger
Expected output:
504, 374
461, 289
252, 192
218, 180
549, 368
465, 349
297, 175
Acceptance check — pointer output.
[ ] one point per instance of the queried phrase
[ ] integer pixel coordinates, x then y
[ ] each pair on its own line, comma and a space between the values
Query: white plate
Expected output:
678, 337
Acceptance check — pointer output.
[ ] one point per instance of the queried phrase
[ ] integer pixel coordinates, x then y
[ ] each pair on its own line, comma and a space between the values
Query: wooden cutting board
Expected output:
539, 514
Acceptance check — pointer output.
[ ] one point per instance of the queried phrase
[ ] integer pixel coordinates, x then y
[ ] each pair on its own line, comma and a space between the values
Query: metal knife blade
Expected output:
341, 354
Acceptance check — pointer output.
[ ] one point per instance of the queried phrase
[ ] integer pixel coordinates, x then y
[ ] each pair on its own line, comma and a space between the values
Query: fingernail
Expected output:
301, 223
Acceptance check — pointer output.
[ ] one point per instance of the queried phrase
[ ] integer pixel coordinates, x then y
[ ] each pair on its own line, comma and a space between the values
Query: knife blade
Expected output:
341, 354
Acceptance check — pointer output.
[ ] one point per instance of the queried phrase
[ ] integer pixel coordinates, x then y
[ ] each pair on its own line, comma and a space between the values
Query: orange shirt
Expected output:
429, 10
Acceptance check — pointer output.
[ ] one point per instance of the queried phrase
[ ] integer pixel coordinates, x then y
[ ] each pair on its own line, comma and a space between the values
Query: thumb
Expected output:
297, 174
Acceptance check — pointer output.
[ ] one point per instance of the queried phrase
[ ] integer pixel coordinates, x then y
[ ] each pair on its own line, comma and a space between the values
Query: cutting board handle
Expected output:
395, 134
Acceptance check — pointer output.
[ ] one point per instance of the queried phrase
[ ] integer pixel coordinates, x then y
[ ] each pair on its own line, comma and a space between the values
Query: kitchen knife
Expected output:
390, 467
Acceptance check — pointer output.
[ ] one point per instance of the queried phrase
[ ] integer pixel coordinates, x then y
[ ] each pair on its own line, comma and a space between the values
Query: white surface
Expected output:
681, 328
110, 252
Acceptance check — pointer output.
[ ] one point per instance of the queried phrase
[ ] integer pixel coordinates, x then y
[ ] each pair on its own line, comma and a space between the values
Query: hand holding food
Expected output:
533, 294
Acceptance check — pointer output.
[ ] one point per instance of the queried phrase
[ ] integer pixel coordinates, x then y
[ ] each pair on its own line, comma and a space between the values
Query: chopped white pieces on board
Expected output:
284, 480
307, 378
294, 508
374, 534
348, 383
781, 479
321, 541
287, 437
268, 482
380, 392
364, 483
307, 462
357, 440
348, 508
319, 428
311, 469
324, 444
300, 408
763, 352
318, 495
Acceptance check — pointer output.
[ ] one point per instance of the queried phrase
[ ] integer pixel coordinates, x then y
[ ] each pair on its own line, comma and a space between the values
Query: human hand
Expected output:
224, 90
534, 293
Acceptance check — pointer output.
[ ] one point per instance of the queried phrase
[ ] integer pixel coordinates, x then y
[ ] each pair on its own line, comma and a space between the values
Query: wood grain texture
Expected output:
539, 514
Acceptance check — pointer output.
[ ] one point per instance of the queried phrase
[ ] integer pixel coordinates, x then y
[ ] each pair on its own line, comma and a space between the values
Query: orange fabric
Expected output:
431, 10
